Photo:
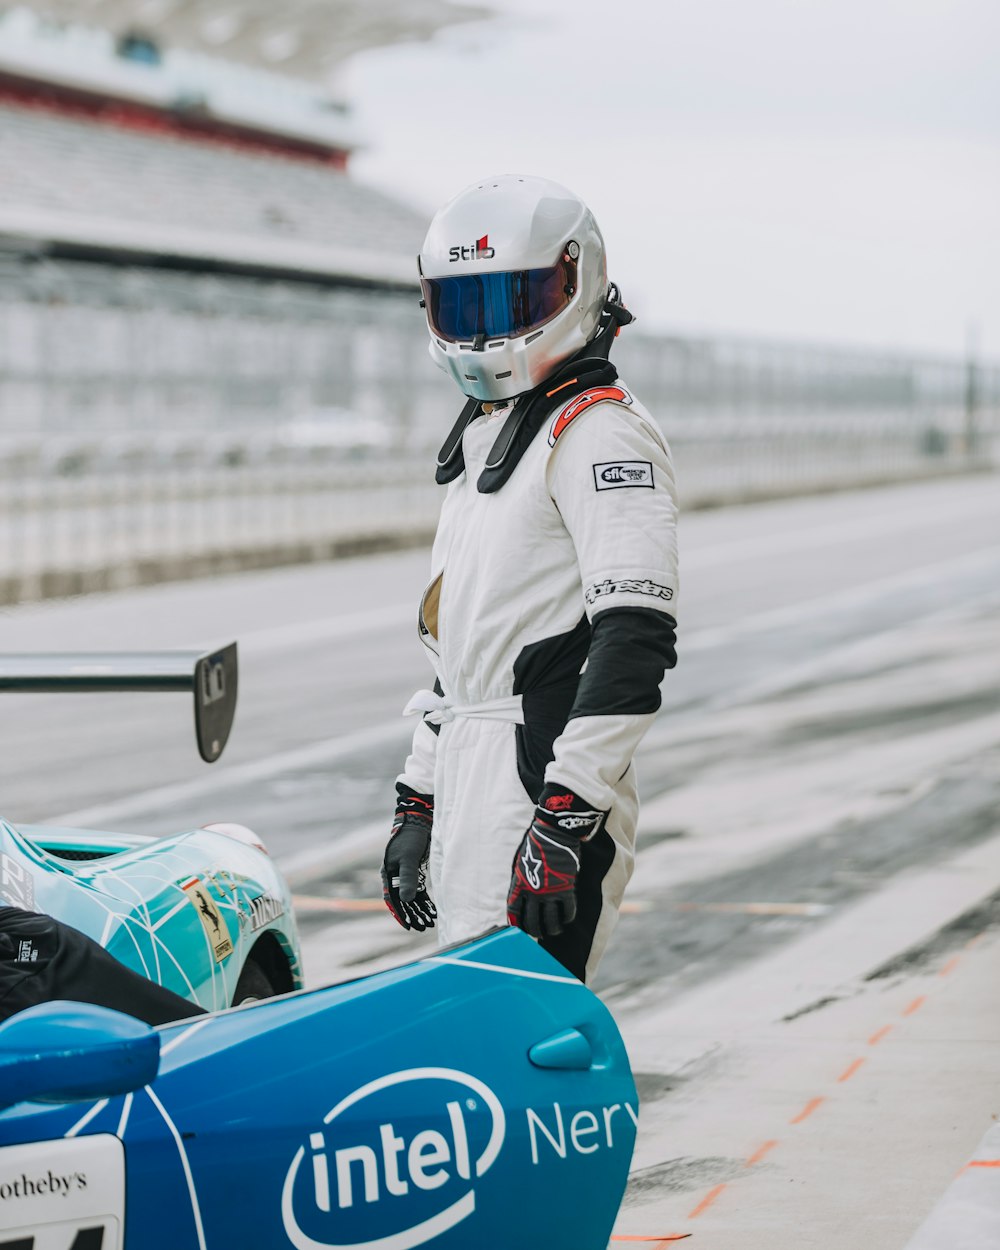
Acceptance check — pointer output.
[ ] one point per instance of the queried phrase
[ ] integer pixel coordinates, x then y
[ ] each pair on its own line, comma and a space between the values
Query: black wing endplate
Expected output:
211, 675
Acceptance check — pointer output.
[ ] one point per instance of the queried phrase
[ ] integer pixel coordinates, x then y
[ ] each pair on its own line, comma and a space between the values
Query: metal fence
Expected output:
159, 424
748, 418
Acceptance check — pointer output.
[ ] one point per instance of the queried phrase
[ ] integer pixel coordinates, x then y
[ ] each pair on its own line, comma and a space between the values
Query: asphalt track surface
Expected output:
806, 968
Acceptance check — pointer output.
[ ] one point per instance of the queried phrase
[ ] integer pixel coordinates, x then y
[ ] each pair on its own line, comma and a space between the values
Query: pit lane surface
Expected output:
822, 794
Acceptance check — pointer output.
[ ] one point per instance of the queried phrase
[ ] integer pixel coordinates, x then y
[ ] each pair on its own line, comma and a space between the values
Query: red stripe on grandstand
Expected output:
125, 115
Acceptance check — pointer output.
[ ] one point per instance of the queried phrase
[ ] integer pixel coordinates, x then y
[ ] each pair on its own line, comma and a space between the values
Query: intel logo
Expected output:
380, 1170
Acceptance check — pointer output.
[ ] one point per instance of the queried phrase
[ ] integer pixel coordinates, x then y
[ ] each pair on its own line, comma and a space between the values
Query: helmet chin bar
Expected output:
494, 370
500, 369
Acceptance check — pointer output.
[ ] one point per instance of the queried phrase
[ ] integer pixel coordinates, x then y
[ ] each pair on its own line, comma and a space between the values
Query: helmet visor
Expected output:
498, 305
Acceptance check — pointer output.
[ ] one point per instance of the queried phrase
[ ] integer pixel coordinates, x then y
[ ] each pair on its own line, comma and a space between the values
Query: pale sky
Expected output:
809, 169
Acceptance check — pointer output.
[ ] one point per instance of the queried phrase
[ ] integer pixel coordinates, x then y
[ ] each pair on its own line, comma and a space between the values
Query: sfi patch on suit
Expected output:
614, 474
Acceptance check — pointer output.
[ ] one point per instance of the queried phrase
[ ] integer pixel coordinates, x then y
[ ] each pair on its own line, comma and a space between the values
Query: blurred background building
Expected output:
211, 354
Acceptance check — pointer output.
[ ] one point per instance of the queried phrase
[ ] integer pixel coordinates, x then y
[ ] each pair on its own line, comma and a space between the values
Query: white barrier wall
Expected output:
158, 424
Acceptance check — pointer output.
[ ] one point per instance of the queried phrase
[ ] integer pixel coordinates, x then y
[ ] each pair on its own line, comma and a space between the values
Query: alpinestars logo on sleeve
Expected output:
627, 586
580, 820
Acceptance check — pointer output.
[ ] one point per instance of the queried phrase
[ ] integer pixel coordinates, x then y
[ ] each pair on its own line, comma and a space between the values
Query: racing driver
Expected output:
549, 617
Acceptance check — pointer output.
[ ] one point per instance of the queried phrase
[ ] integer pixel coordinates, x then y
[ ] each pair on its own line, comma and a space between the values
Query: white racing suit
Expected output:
571, 566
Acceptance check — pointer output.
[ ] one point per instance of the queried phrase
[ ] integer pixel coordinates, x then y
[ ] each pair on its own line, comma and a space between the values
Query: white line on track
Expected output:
326, 752
664, 1030
344, 746
856, 596
874, 646
867, 527
328, 629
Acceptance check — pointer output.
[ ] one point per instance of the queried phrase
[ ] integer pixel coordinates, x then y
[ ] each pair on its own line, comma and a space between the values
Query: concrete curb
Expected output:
62, 583
967, 1216
734, 496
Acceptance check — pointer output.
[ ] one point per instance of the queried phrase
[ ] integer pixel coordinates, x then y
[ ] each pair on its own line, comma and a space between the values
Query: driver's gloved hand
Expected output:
542, 897
404, 868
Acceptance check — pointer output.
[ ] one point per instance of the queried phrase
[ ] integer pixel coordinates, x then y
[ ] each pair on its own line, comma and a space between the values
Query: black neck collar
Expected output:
588, 367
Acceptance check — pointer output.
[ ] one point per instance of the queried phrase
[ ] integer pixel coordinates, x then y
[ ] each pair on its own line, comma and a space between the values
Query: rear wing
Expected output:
211, 675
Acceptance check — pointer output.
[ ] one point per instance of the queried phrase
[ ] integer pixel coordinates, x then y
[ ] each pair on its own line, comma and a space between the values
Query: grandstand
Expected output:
184, 160
193, 287
303, 39
75, 182
182, 245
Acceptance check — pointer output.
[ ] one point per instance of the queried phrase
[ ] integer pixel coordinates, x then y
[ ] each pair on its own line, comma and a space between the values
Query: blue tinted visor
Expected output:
498, 305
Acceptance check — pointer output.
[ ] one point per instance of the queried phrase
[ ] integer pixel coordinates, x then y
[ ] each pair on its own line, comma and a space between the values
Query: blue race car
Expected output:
477, 1099
205, 913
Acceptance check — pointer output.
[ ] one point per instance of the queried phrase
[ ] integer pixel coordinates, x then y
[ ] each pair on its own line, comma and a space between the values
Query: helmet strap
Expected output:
614, 315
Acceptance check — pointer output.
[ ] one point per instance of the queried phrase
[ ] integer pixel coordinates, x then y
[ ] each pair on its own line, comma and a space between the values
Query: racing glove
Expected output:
404, 868
542, 898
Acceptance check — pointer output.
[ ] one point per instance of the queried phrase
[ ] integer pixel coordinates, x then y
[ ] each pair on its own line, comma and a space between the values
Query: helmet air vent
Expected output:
500, 376
531, 337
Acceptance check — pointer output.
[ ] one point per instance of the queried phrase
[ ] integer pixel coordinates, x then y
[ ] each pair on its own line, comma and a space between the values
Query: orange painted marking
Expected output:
311, 903
760, 1152
707, 1201
915, 1005
548, 395
849, 1071
807, 1110
660, 1241
877, 1036
982, 1163
950, 967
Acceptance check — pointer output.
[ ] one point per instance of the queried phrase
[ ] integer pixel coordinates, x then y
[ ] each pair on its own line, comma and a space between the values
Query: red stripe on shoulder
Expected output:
582, 403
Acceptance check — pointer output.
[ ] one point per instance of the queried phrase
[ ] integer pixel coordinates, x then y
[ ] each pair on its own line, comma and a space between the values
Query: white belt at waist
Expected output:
438, 710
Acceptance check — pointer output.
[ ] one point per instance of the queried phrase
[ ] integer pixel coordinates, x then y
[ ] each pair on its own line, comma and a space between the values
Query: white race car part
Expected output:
52, 1191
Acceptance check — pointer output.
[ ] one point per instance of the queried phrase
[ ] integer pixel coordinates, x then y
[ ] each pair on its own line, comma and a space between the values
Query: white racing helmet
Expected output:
514, 282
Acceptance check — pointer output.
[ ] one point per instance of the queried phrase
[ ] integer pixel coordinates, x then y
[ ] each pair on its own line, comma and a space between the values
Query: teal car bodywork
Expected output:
190, 912
204, 913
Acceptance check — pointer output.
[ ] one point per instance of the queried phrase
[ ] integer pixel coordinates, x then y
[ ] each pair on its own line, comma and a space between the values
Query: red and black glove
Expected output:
542, 898
404, 868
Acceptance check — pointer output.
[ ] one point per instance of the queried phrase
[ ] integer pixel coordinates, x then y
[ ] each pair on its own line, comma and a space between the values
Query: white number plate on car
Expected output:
63, 1195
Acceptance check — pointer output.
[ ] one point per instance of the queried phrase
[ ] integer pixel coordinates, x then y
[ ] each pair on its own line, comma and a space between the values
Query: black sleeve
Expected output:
630, 650
42, 959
